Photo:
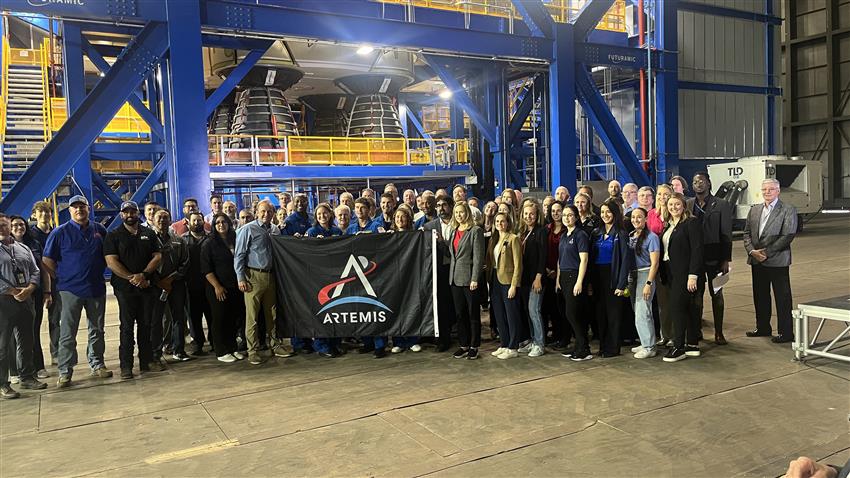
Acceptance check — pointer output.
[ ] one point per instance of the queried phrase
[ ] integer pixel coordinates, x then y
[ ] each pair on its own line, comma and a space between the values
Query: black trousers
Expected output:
683, 312
554, 313
763, 279
16, 319
718, 303
228, 317
609, 310
577, 321
468, 312
135, 310
199, 308
175, 334
506, 313
445, 305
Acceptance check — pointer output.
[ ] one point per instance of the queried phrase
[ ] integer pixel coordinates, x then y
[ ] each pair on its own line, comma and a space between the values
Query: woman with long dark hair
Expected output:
683, 262
573, 257
647, 251
504, 269
612, 262
553, 304
403, 222
227, 303
324, 227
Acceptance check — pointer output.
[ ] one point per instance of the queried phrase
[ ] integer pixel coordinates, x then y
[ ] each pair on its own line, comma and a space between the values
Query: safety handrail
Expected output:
248, 150
5, 58
45, 91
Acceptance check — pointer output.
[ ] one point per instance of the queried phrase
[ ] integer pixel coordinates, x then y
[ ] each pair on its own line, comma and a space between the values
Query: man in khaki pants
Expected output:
253, 264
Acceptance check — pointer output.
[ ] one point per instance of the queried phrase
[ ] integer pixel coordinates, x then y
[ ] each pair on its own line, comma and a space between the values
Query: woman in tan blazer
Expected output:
504, 271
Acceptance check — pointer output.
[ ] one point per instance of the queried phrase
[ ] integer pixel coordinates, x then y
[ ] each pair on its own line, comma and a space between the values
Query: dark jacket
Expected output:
533, 254
590, 224
622, 259
442, 244
716, 228
194, 278
175, 257
685, 251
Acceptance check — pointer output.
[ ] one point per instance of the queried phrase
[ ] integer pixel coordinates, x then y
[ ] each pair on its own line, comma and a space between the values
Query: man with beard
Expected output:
384, 221
229, 208
441, 226
167, 330
133, 254
190, 205
194, 238
151, 207
73, 256
716, 217
297, 223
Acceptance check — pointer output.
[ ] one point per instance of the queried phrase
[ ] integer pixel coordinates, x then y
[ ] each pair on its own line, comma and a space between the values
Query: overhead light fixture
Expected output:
445, 94
365, 50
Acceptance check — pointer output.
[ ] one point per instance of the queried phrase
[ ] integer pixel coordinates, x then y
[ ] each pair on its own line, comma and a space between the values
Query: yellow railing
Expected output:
562, 11
229, 150
5, 56
45, 92
127, 120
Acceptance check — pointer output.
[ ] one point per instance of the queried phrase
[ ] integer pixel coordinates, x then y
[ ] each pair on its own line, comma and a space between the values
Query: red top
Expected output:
552, 246
458, 236
654, 222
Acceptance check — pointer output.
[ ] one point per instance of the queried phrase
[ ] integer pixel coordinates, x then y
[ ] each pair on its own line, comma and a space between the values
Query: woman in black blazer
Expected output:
682, 243
611, 260
466, 244
533, 237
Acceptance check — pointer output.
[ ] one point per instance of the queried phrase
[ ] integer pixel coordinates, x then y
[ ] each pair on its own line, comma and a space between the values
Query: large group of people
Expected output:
555, 274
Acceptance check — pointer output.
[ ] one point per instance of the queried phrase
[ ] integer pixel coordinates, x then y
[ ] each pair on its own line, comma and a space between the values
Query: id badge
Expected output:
20, 278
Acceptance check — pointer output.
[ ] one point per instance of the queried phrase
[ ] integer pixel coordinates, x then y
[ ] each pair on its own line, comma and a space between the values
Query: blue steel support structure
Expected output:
75, 93
88, 120
769, 69
233, 79
186, 151
562, 110
667, 93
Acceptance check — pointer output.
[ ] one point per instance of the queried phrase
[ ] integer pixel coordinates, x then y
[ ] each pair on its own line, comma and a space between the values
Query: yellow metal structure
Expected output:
563, 11
5, 55
336, 151
127, 121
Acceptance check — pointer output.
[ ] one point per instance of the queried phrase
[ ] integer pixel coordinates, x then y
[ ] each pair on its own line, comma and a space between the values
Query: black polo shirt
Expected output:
194, 279
135, 251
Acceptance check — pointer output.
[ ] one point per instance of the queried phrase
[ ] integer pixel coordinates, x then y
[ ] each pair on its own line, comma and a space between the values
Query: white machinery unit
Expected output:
740, 182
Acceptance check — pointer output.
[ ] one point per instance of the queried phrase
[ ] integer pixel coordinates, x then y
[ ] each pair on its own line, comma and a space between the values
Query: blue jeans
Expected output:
535, 302
324, 345
69, 323
643, 308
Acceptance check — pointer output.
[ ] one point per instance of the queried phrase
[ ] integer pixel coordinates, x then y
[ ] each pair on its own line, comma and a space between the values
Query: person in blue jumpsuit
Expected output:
326, 347
297, 225
384, 221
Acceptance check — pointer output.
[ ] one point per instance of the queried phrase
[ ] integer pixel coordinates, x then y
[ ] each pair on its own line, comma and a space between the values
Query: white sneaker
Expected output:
396, 350
239, 355
498, 351
524, 349
536, 351
508, 354
637, 349
415, 348
43, 373
14, 379
229, 358
645, 353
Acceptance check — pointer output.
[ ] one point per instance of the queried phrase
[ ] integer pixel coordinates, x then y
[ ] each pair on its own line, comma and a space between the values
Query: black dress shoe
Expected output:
782, 339
758, 333
366, 349
380, 353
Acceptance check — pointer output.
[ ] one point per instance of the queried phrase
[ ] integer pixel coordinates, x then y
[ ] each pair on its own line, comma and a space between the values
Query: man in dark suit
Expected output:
445, 303
768, 233
716, 217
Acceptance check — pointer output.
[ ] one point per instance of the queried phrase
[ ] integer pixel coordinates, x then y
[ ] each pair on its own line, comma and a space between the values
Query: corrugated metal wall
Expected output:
715, 49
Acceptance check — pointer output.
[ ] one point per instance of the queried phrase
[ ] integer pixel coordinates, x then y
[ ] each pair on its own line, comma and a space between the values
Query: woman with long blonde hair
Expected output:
466, 245
657, 217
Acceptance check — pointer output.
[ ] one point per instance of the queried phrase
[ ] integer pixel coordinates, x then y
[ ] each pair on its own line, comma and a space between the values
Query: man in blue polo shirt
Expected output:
73, 255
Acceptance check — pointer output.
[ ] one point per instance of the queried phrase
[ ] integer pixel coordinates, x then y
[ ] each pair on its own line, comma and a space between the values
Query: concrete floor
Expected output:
741, 410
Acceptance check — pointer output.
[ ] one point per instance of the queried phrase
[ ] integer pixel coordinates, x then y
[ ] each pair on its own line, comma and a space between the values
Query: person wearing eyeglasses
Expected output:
768, 233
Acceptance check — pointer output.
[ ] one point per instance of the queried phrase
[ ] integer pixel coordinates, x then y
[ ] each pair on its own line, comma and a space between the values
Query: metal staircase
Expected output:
26, 122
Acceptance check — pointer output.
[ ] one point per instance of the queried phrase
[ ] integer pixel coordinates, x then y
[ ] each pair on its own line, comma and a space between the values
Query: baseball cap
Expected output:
129, 205
78, 198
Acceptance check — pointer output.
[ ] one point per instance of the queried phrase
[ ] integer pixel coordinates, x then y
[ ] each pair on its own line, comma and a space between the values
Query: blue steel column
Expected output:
562, 110
769, 68
186, 134
667, 93
456, 121
75, 92
494, 100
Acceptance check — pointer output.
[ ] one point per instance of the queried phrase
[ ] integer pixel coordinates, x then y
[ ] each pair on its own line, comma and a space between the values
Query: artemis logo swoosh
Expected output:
357, 268
43, 3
